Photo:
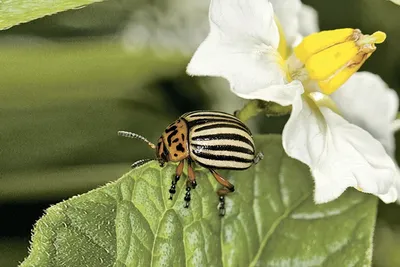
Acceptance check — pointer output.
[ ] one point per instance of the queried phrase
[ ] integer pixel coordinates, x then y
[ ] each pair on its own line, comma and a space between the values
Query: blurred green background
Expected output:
69, 82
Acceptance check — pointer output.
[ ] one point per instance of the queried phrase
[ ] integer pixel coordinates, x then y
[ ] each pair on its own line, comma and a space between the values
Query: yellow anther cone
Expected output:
331, 57
319, 41
328, 61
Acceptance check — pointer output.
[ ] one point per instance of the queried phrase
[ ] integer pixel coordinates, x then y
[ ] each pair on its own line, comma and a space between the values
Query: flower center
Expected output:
329, 58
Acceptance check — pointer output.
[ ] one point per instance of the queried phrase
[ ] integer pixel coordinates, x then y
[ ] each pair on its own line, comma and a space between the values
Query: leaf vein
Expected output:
275, 225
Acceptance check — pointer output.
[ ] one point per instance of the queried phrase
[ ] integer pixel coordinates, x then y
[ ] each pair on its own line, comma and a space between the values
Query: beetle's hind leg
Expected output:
228, 188
258, 157
190, 183
178, 174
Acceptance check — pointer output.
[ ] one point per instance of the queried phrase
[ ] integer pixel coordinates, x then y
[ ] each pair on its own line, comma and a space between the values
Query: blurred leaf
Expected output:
271, 220
72, 100
387, 245
53, 183
55, 73
387, 236
99, 19
12, 251
14, 12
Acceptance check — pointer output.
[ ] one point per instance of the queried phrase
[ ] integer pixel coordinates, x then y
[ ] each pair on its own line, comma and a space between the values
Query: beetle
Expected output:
212, 139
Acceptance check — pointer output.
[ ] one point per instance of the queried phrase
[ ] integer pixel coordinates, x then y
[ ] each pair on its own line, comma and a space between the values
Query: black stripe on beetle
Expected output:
222, 157
193, 123
214, 115
222, 125
223, 136
226, 148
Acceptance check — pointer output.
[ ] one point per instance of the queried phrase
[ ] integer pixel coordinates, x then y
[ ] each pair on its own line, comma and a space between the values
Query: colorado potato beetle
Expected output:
212, 139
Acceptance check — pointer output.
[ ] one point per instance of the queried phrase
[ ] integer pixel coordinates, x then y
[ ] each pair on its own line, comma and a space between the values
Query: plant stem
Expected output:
253, 107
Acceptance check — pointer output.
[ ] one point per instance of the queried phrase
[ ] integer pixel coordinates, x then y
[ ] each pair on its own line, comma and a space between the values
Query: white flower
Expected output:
373, 107
247, 46
339, 152
366, 101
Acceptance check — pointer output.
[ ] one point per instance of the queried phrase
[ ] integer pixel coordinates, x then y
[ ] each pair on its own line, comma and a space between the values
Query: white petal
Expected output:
287, 12
308, 19
308, 23
282, 94
397, 2
339, 154
241, 47
366, 101
247, 22
396, 125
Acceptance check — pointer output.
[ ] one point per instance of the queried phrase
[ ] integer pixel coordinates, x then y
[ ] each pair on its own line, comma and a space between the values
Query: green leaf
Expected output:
14, 12
270, 220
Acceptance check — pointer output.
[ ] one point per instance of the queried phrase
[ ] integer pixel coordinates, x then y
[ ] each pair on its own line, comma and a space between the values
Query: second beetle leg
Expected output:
191, 183
191, 175
228, 188
187, 194
178, 174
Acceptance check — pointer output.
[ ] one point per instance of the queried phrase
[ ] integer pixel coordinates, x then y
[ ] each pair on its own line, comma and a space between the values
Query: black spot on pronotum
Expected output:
170, 129
170, 136
180, 147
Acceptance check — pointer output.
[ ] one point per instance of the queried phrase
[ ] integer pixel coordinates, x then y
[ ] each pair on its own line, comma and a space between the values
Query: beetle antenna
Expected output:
136, 136
140, 163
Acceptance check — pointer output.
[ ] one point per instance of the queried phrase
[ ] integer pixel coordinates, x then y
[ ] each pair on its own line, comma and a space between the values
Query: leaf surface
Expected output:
270, 220
14, 12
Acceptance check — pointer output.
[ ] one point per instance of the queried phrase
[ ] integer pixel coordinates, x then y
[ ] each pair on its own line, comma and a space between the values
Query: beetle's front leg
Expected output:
178, 174
191, 183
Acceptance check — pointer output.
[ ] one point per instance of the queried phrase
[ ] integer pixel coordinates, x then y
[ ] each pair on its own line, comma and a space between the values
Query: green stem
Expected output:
253, 107
274, 109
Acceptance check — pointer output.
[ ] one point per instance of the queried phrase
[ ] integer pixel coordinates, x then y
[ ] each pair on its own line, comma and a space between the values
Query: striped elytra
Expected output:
219, 140
212, 139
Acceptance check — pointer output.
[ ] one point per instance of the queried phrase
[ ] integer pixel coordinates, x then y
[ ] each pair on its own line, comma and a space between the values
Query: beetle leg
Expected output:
222, 181
191, 175
190, 183
187, 195
258, 157
178, 174
228, 188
